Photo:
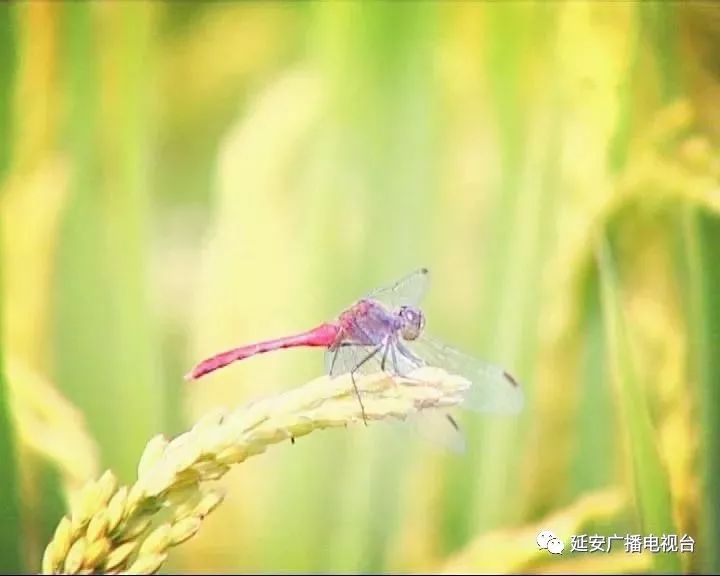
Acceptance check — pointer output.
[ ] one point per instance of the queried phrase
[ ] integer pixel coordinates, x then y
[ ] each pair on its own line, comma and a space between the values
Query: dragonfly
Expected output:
385, 331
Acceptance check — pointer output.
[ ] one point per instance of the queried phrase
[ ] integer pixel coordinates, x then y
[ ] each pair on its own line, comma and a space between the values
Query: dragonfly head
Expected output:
413, 322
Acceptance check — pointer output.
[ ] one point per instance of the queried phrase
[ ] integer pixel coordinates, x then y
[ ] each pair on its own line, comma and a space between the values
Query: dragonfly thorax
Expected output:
412, 322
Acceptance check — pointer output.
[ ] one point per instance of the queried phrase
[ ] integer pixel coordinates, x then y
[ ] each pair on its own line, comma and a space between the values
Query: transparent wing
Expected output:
493, 390
367, 359
436, 427
408, 291
432, 425
353, 357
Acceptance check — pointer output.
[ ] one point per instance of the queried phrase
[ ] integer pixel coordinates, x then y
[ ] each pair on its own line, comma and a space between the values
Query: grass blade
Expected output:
10, 535
650, 483
7, 72
102, 261
593, 449
700, 237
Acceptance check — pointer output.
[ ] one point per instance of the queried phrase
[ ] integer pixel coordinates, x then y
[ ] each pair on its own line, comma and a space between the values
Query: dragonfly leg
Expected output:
338, 344
407, 353
336, 351
357, 393
385, 355
399, 372
370, 355
394, 361
390, 348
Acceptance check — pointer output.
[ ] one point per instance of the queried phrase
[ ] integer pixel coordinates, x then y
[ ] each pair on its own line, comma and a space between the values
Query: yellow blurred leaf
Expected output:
652, 301
250, 261
51, 426
35, 96
593, 51
614, 563
512, 550
250, 38
30, 207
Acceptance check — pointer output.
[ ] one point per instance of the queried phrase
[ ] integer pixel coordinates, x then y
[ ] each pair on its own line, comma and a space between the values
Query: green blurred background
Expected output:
178, 178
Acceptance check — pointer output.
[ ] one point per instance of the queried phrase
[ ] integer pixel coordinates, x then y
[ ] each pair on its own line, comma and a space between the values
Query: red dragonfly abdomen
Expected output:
323, 335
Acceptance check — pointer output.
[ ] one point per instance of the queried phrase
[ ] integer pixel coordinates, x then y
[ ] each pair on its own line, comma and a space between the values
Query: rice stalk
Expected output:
130, 529
670, 164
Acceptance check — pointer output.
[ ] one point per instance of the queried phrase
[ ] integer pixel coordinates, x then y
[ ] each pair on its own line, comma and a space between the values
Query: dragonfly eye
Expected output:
413, 322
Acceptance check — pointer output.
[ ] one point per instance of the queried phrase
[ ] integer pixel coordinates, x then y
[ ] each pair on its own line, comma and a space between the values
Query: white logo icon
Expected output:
546, 540
555, 546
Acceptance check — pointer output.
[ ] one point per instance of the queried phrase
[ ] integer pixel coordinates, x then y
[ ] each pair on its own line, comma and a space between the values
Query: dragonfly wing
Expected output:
357, 358
492, 389
408, 291
432, 425
436, 427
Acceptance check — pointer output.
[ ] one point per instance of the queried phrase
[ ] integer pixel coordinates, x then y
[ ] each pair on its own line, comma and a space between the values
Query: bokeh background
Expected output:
178, 178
